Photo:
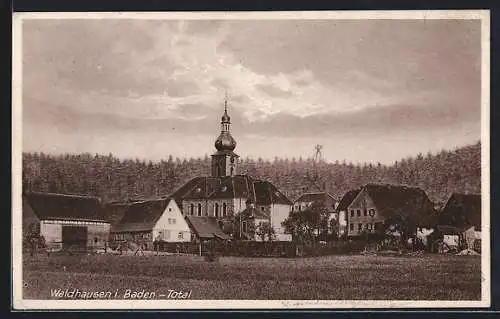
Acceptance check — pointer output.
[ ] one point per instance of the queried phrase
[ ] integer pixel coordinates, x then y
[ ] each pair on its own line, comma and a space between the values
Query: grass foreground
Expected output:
428, 277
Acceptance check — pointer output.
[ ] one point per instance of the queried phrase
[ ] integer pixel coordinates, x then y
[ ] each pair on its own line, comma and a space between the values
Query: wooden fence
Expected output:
261, 249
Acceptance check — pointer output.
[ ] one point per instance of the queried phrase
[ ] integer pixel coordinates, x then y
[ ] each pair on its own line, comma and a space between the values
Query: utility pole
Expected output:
314, 176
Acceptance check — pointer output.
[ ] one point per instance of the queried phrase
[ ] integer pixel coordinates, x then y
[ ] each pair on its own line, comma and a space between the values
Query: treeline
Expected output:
113, 179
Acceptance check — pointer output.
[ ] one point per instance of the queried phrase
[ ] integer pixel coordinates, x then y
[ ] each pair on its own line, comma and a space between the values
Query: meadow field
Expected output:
428, 277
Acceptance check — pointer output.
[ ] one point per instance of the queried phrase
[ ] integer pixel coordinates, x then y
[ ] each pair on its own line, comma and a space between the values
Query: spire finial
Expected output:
225, 101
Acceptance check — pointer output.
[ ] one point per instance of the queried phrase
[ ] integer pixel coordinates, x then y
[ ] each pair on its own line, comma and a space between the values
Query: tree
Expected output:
403, 226
265, 231
334, 228
242, 226
306, 226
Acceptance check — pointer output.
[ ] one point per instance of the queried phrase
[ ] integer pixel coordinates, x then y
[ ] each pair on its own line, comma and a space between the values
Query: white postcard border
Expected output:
17, 284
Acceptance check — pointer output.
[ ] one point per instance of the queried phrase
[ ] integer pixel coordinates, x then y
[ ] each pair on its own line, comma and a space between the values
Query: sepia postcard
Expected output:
251, 160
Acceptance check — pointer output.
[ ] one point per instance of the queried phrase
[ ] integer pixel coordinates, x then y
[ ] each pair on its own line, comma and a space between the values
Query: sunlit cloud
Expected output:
324, 79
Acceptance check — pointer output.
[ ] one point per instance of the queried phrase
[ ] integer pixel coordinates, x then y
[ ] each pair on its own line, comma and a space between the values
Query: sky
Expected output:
367, 90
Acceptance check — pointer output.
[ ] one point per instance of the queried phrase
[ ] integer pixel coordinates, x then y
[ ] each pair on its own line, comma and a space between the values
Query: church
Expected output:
224, 193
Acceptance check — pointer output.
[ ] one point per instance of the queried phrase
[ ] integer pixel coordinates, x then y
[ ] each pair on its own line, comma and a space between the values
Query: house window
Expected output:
170, 209
371, 212
300, 208
352, 212
358, 212
351, 226
365, 212
262, 208
224, 209
169, 221
216, 210
180, 235
360, 227
245, 227
192, 209
199, 209
369, 226
173, 220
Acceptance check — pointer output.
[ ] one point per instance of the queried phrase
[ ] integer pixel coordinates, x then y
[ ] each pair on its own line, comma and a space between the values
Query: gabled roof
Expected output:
321, 199
238, 186
49, 206
347, 199
315, 197
266, 193
114, 211
462, 210
141, 216
399, 200
205, 227
29, 217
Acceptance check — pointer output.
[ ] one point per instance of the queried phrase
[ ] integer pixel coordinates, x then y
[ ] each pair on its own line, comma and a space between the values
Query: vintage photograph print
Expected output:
251, 160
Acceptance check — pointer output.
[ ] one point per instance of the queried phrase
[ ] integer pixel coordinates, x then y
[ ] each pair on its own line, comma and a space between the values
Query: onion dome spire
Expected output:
225, 142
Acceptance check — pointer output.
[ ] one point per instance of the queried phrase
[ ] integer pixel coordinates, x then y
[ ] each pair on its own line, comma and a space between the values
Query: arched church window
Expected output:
199, 209
224, 209
192, 209
216, 209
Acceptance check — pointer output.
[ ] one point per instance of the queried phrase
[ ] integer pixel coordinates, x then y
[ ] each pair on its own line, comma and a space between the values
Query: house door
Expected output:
74, 236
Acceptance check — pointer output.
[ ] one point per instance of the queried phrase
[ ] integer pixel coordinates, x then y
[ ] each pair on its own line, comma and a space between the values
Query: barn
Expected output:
463, 211
65, 221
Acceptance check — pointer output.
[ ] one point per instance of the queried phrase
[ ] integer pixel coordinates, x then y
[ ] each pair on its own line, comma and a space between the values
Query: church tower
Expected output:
224, 160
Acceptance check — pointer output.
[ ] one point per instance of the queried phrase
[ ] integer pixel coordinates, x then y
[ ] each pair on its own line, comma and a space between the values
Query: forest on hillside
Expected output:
113, 179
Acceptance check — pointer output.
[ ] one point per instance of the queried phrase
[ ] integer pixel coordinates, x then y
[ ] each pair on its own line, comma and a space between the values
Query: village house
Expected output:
65, 221
152, 220
307, 199
251, 222
321, 200
342, 209
463, 213
375, 204
225, 193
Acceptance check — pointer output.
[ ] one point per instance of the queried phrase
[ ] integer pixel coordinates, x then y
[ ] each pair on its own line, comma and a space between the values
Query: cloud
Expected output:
296, 79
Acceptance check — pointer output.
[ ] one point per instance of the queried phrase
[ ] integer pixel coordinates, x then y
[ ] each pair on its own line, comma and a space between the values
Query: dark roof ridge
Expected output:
150, 201
315, 193
465, 194
63, 195
392, 185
